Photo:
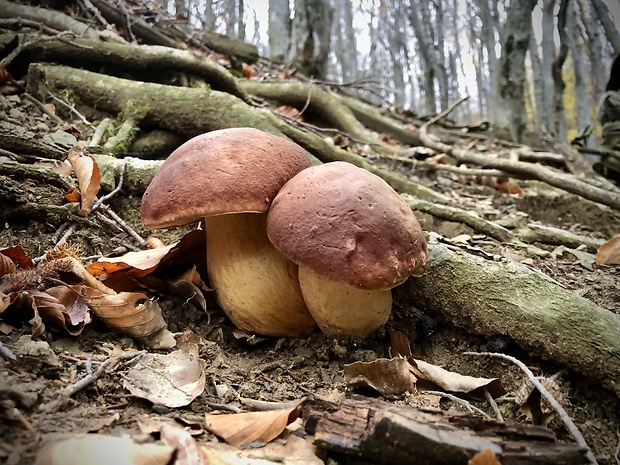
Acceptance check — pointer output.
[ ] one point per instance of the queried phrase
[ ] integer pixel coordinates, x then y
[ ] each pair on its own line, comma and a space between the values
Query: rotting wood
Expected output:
377, 431
21, 142
509, 299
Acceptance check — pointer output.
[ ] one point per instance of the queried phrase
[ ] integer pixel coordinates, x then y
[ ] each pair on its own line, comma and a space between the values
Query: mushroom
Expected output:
229, 177
354, 239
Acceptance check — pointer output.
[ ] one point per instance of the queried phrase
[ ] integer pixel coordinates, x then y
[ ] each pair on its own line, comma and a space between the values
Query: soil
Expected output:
279, 369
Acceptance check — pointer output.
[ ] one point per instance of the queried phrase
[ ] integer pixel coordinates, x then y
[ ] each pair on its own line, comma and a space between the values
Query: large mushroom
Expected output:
229, 178
353, 237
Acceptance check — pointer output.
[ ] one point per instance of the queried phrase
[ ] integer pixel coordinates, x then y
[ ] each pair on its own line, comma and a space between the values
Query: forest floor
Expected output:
239, 367
283, 370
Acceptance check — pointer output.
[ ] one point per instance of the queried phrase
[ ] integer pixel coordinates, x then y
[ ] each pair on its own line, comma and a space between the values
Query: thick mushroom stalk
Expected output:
353, 237
256, 285
229, 178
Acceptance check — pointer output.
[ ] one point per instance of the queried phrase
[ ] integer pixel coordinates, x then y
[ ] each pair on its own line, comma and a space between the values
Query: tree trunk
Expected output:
489, 41
511, 85
595, 49
427, 56
312, 37
611, 30
559, 113
279, 30
548, 56
577, 50
538, 83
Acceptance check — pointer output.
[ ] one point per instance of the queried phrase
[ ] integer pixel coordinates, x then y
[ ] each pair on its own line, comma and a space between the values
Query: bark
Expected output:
581, 79
489, 41
538, 82
384, 433
542, 317
611, 30
511, 84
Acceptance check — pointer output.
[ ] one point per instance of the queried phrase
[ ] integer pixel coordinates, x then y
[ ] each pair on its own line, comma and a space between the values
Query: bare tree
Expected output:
279, 30
559, 113
537, 78
489, 40
591, 23
345, 43
611, 30
576, 46
511, 79
548, 56
312, 36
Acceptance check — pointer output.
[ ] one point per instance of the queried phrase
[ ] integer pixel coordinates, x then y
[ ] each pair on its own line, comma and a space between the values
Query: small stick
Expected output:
44, 109
108, 196
108, 211
568, 422
99, 133
71, 107
471, 408
494, 406
92, 377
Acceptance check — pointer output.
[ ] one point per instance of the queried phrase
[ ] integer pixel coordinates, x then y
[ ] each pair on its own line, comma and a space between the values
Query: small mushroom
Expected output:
353, 237
229, 177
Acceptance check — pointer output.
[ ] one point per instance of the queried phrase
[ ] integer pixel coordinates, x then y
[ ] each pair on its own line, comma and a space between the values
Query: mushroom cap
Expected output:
349, 225
225, 171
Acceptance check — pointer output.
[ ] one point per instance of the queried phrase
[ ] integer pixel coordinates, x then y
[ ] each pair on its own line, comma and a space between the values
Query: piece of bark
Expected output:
379, 432
506, 298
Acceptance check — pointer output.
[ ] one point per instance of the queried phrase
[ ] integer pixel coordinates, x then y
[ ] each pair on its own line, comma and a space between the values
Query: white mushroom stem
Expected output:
254, 283
342, 310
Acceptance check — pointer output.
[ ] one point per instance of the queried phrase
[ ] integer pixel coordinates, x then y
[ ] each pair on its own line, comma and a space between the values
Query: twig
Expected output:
307, 104
92, 377
71, 108
568, 422
108, 211
494, 406
44, 109
471, 408
111, 194
99, 133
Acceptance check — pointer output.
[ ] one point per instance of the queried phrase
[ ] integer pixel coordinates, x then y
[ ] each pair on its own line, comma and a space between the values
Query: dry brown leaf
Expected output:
136, 263
154, 242
5, 300
389, 377
19, 257
241, 429
6, 265
454, 382
88, 177
289, 112
247, 71
132, 314
485, 457
509, 188
5, 76
73, 196
173, 379
98, 449
61, 167
609, 252
399, 344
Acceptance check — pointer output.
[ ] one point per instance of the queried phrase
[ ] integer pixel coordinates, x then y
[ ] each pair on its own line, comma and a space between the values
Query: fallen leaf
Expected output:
454, 382
533, 407
509, 188
241, 429
5, 76
19, 257
88, 177
247, 71
130, 313
484, 457
6, 265
609, 252
173, 379
98, 449
389, 377
73, 196
399, 344
136, 263
188, 451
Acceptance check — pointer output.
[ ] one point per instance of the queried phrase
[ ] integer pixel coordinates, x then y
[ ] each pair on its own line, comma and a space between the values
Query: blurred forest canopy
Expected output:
537, 65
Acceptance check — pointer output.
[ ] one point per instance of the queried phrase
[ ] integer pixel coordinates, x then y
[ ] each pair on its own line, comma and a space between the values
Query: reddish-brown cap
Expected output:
348, 225
226, 171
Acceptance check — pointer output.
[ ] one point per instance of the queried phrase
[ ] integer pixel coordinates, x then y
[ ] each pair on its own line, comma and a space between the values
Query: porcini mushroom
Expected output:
229, 177
353, 237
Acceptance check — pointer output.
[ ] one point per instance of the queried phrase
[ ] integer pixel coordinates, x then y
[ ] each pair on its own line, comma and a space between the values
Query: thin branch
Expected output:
471, 408
568, 422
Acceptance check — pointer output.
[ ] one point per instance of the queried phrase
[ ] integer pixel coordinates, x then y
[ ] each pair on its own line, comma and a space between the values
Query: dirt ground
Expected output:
279, 369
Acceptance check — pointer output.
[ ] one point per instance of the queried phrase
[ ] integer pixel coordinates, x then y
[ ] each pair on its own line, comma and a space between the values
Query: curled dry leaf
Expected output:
18, 256
173, 379
533, 407
132, 314
88, 176
136, 263
241, 429
6, 265
289, 112
99, 449
454, 382
389, 377
609, 252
